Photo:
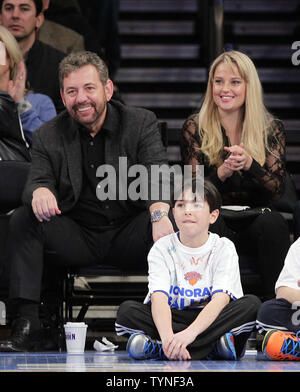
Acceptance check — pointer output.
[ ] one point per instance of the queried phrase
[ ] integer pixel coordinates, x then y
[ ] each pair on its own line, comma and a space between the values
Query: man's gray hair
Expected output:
77, 60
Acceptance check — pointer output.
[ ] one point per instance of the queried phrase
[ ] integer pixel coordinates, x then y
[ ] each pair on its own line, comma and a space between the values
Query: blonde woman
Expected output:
242, 148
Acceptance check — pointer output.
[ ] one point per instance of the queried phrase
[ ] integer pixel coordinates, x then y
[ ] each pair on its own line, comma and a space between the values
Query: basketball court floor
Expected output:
119, 361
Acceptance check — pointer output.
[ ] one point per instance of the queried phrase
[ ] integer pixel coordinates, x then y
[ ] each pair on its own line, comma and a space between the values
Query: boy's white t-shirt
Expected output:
290, 273
190, 276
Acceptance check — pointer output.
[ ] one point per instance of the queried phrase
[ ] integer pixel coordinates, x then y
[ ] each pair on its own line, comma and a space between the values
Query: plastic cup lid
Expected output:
71, 324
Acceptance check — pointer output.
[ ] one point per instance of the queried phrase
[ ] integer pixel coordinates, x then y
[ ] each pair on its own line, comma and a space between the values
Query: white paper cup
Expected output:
75, 337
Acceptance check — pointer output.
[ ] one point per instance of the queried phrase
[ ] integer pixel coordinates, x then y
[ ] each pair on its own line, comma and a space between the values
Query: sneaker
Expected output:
224, 348
280, 345
141, 346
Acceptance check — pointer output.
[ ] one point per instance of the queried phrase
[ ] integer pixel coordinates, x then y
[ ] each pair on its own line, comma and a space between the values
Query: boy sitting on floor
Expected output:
195, 308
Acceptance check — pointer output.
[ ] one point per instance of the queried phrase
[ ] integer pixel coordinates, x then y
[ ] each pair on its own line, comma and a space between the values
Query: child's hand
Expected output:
175, 347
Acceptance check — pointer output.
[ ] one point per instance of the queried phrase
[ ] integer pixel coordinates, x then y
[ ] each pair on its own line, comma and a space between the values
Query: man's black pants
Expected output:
126, 247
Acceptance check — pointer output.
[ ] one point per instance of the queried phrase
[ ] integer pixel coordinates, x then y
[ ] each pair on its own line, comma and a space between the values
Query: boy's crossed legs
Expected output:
238, 317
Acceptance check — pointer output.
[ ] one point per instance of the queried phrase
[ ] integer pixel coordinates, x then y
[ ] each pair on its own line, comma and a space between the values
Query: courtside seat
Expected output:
103, 286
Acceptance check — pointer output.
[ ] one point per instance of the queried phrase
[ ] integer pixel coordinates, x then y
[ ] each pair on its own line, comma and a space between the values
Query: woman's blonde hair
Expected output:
12, 49
256, 119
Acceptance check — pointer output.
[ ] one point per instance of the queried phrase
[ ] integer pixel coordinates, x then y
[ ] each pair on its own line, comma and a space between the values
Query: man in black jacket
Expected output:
66, 209
23, 18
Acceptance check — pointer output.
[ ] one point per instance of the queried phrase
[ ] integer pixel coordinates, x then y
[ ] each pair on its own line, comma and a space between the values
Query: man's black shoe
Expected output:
22, 338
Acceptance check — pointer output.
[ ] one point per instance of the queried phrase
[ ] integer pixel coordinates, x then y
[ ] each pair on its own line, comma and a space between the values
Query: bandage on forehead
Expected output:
2, 53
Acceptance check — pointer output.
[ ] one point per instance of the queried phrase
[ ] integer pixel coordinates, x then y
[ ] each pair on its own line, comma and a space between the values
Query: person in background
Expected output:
61, 37
97, 23
34, 109
69, 14
23, 18
242, 148
103, 15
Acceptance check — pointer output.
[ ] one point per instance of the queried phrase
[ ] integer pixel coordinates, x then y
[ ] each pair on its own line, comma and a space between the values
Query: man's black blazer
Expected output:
57, 159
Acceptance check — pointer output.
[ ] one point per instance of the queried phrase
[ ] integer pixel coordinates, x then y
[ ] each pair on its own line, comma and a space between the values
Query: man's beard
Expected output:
88, 123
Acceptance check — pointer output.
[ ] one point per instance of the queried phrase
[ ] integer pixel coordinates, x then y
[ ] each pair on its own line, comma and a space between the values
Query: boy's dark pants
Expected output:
238, 317
278, 313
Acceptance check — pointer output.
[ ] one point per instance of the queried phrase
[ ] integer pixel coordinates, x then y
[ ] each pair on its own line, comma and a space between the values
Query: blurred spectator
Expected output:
59, 36
96, 21
33, 109
68, 13
103, 16
23, 18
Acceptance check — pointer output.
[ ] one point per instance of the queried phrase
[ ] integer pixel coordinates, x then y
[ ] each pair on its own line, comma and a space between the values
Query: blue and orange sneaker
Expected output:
140, 346
224, 348
281, 346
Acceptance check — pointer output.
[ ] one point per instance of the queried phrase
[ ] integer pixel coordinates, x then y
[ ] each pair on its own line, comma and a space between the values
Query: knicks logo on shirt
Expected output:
192, 277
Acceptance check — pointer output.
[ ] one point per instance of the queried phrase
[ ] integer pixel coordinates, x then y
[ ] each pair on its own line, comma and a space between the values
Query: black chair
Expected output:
107, 286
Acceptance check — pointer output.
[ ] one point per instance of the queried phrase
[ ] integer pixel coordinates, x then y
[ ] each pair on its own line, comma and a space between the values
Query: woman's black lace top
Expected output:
255, 187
